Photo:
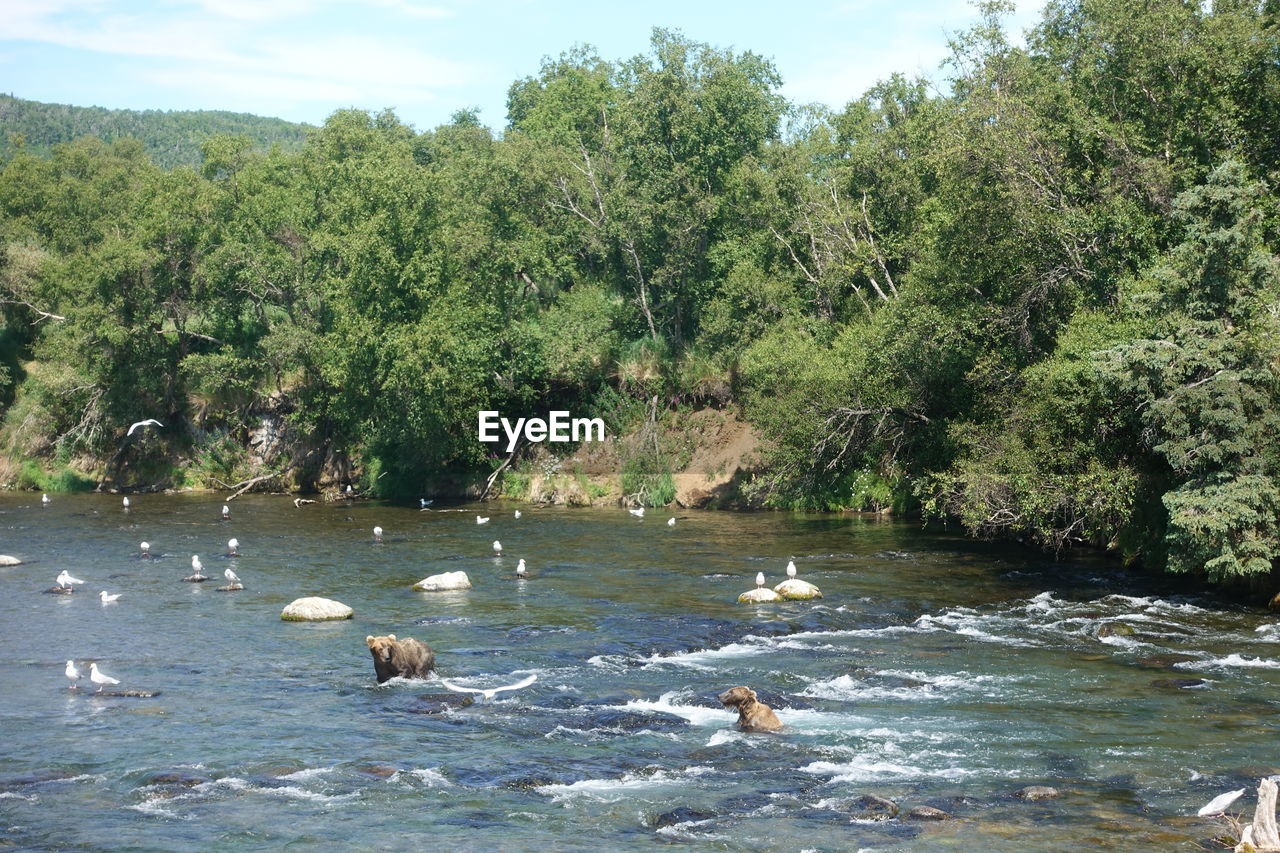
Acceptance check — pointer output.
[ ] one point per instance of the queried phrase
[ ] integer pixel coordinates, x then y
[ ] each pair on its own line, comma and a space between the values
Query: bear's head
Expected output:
382, 647
737, 696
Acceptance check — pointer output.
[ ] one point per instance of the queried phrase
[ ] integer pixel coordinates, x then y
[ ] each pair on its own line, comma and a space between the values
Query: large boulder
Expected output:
446, 582
794, 589
314, 609
6, 560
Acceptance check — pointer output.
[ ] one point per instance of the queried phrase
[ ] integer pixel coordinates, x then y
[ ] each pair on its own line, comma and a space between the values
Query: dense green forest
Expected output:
1044, 302
171, 137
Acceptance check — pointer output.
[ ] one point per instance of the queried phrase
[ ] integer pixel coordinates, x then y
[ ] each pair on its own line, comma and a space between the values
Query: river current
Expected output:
935, 671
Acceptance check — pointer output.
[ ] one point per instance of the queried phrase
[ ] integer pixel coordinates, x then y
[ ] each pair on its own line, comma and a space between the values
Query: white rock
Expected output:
314, 609
794, 589
759, 594
6, 560
444, 583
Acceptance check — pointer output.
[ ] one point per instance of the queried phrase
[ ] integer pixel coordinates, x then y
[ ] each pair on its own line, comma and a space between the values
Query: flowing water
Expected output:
935, 671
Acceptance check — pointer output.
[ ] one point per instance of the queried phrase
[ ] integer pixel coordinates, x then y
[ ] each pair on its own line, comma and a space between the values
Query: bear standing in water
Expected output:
753, 715
406, 658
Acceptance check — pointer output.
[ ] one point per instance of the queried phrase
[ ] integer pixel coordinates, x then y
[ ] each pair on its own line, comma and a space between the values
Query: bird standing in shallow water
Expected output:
144, 550
517, 513
226, 513
671, 522
44, 500
497, 548
377, 534
126, 503
100, 678
233, 547
521, 571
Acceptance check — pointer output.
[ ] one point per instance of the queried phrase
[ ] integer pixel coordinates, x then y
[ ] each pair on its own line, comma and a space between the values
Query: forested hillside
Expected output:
1044, 302
170, 137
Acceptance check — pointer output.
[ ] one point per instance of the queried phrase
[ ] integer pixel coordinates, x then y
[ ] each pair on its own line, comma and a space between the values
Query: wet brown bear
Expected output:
753, 715
406, 658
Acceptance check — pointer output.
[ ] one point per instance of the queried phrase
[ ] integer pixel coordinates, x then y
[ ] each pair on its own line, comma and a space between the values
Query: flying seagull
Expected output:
1219, 804
100, 678
140, 424
490, 692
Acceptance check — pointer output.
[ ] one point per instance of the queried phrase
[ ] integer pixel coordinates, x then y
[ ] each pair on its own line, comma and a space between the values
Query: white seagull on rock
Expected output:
521, 571
72, 673
197, 567
231, 576
65, 579
1219, 804
141, 424
489, 692
791, 568
100, 678
108, 597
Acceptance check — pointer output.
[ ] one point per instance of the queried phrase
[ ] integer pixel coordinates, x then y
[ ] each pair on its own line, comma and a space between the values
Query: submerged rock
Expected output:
794, 589
1114, 629
684, 814
758, 595
927, 813
1036, 792
875, 807
313, 609
6, 560
439, 703
60, 590
1179, 683
634, 721
446, 582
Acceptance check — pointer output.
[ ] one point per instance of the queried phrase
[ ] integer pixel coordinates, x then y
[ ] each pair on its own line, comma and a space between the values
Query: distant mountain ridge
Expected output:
171, 137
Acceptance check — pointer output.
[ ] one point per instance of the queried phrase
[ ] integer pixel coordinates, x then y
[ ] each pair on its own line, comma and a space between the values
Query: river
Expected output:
935, 671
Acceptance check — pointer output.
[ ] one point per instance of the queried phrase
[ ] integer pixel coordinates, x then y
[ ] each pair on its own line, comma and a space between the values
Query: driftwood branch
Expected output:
1262, 836
494, 476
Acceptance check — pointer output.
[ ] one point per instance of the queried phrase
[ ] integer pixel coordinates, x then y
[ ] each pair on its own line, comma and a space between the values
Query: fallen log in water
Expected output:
1261, 836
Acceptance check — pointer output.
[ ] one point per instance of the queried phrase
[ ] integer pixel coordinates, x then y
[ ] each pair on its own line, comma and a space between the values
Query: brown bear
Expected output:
753, 715
406, 658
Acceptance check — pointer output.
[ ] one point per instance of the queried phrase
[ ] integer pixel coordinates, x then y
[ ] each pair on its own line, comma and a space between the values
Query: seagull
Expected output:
99, 678
1219, 804
108, 597
226, 512
759, 578
671, 522
521, 571
791, 568
517, 513
298, 502
377, 534
72, 673
126, 503
196, 566
141, 424
638, 513
497, 547
482, 519
44, 499
65, 579
231, 576
145, 548
349, 490
490, 692
424, 503
233, 546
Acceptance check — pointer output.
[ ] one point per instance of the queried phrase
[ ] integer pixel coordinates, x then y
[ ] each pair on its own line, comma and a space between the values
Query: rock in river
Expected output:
1036, 792
444, 583
6, 560
314, 609
794, 589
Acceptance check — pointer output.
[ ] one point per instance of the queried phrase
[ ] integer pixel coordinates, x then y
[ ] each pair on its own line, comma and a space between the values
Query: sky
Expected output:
302, 59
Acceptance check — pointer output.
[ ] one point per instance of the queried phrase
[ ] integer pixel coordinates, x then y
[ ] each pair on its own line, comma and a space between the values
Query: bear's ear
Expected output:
369, 641
391, 636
